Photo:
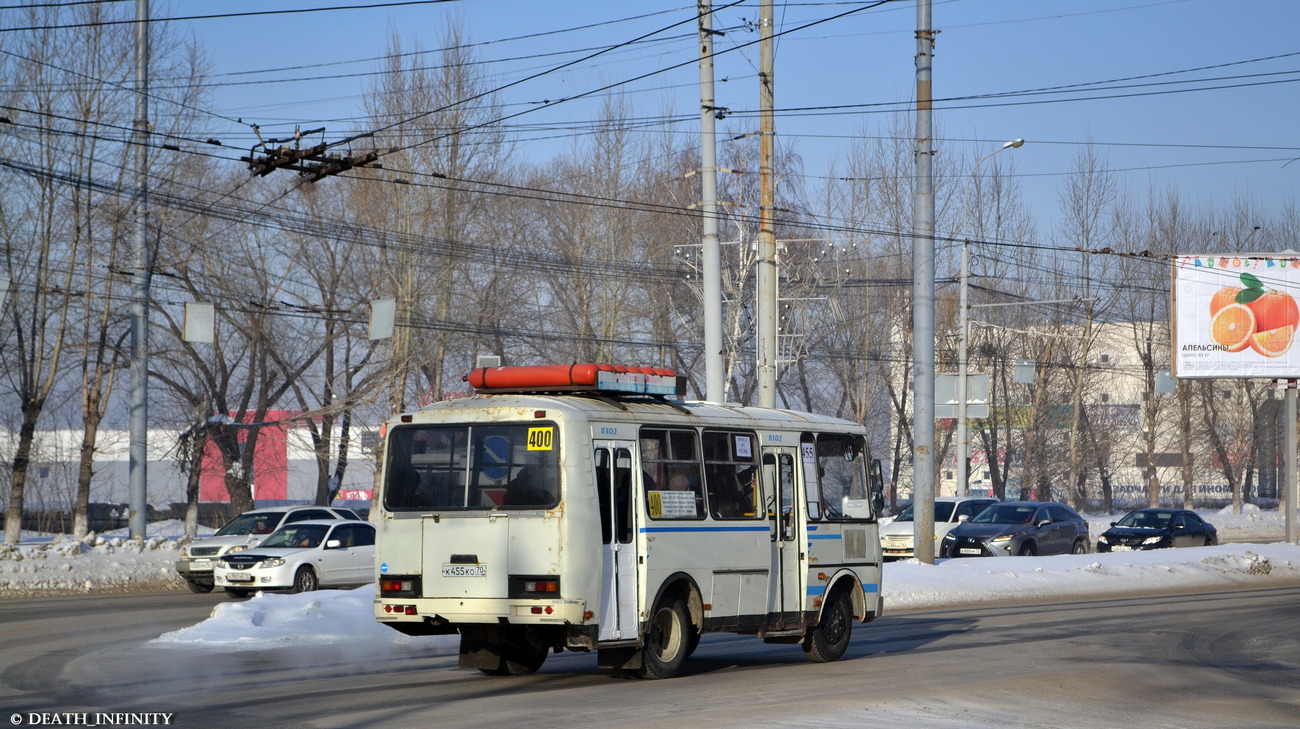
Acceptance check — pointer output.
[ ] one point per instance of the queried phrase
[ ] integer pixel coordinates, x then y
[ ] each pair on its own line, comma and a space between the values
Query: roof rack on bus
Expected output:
598, 379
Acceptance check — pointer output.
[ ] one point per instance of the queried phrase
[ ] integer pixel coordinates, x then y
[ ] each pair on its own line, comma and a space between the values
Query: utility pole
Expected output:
766, 328
1292, 489
923, 298
963, 327
714, 383
138, 451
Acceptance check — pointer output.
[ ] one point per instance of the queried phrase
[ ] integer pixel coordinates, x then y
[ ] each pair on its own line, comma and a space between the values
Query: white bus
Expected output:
584, 508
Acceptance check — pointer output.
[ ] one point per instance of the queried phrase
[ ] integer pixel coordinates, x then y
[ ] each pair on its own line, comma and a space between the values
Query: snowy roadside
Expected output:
60, 565
44, 564
344, 617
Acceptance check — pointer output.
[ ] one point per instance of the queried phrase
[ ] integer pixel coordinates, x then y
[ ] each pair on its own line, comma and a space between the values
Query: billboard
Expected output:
1236, 315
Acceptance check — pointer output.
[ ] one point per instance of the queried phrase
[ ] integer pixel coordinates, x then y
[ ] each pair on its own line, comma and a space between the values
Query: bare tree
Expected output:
440, 120
1087, 204
48, 221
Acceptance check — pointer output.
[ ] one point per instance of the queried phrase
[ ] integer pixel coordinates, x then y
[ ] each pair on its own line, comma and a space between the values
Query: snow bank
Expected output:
345, 617
59, 564
911, 585
95, 563
270, 621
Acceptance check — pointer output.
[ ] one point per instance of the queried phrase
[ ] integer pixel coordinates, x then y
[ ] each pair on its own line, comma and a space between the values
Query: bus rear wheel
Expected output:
518, 662
828, 640
667, 641
518, 657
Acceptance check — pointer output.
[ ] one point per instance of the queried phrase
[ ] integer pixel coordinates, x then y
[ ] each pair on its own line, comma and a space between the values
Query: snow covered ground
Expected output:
112, 563
1255, 557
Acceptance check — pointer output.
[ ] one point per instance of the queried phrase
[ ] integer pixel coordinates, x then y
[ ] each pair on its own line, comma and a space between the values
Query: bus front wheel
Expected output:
667, 642
829, 639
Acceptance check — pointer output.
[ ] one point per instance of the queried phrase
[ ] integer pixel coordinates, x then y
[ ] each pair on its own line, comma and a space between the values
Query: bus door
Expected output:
614, 486
785, 605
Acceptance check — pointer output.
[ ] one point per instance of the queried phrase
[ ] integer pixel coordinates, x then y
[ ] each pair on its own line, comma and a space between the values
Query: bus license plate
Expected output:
464, 570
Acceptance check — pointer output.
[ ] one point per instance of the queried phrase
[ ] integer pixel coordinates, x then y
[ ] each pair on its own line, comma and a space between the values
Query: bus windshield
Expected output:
472, 467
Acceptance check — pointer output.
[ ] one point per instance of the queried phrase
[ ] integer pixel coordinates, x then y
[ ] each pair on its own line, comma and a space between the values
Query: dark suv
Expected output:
1023, 528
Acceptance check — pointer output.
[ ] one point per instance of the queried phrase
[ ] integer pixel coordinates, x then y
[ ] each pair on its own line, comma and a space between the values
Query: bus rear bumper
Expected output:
443, 615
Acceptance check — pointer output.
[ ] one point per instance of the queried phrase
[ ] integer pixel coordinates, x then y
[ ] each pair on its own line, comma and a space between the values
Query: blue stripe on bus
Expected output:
825, 536
763, 528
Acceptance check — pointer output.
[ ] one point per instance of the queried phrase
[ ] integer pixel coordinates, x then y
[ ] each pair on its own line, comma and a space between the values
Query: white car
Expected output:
301, 557
897, 537
198, 558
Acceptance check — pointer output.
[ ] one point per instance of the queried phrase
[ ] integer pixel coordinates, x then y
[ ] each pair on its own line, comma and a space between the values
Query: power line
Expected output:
247, 14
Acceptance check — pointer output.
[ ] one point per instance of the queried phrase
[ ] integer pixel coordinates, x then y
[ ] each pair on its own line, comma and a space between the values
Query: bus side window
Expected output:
731, 475
672, 486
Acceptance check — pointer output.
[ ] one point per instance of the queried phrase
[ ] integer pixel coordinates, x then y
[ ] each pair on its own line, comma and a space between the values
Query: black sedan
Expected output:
1157, 529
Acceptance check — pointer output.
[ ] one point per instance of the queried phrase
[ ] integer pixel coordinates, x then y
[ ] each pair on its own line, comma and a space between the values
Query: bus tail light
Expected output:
399, 586
534, 586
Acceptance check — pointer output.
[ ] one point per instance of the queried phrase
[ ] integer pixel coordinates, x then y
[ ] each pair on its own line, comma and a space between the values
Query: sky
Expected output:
1195, 96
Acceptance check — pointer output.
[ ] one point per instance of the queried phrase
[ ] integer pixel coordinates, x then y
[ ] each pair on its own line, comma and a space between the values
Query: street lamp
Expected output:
963, 445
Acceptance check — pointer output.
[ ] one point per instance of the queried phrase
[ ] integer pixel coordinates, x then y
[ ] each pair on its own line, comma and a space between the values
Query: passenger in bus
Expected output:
403, 485
527, 489
679, 483
747, 486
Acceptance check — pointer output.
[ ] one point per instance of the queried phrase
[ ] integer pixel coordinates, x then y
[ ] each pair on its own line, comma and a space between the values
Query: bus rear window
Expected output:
480, 467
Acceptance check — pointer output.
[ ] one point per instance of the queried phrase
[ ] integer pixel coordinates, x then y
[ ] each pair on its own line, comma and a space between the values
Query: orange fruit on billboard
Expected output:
1273, 310
1223, 297
1232, 327
1274, 342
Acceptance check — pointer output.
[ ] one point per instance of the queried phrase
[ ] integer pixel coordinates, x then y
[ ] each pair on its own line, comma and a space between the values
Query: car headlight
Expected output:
1103, 540
1005, 537
1151, 540
272, 562
237, 548
950, 537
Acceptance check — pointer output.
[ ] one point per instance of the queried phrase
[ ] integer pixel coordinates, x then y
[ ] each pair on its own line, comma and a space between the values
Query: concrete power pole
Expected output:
766, 328
138, 464
923, 298
715, 387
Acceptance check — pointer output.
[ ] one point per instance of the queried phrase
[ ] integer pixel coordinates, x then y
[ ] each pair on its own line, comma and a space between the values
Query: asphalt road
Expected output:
1223, 659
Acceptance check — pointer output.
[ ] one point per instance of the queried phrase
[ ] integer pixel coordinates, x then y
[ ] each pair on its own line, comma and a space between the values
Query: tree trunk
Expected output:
85, 473
18, 474
194, 475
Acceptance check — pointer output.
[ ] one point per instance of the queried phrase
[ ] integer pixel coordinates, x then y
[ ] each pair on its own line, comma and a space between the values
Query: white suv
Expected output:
249, 528
896, 537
